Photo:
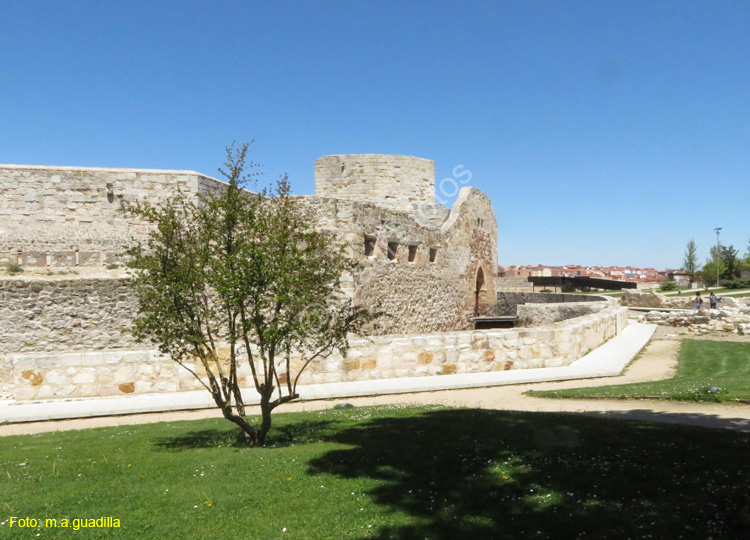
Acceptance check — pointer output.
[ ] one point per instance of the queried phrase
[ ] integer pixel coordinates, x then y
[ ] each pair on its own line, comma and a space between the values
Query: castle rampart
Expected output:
420, 261
421, 273
72, 216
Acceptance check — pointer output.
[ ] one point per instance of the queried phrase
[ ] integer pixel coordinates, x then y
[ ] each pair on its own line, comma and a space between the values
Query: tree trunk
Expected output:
265, 425
251, 434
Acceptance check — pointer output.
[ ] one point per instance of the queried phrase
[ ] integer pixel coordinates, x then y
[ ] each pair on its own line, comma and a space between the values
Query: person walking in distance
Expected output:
698, 302
713, 300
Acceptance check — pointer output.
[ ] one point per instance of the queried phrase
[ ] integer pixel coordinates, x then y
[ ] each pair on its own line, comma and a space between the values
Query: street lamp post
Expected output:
716, 262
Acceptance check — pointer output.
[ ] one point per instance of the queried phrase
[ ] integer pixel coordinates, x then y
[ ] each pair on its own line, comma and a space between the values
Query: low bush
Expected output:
738, 284
668, 286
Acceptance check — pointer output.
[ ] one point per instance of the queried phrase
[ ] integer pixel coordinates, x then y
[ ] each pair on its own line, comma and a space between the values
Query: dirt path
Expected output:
656, 362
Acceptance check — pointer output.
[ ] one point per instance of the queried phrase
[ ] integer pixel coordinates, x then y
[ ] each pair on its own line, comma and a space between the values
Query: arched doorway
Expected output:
479, 291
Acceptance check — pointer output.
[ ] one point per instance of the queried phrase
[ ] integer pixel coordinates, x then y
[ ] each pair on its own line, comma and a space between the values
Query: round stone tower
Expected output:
394, 181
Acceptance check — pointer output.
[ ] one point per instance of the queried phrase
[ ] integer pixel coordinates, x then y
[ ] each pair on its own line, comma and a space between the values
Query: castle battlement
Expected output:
394, 181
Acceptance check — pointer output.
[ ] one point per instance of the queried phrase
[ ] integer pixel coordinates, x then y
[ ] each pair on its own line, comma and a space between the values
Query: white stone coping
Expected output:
103, 169
664, 309
396, 159
609, 360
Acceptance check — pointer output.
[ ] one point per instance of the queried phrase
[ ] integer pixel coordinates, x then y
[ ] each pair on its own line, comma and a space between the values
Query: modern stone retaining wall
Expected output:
507, 302
473, 351
541, 314
123, 371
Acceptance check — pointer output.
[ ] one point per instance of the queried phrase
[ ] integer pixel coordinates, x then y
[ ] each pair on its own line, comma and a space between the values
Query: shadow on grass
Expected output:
205, 438
497, 475
297, 432
680, 418
281, 434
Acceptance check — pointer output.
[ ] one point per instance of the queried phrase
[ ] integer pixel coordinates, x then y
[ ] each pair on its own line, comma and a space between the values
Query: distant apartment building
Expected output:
623, 273
541, 271
515, 272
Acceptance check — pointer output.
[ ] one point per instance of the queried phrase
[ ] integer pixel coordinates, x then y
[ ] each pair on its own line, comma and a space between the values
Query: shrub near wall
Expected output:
738, 284
668, 286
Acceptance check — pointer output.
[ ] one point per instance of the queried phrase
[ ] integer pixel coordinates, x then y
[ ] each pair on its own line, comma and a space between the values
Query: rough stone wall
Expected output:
71, 216
654, 299
418, 296
397, 181
436, 290
67, 217
61, 315
121, 372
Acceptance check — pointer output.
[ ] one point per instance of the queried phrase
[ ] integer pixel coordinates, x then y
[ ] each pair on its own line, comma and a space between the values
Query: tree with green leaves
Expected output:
690, 262
709, 272
731, 263
238, 282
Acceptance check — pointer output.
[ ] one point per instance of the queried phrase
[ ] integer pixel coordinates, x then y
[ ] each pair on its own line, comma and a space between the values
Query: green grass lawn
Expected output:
737, 295
725, 292
694, 290
733, 293
702, 364
388, 472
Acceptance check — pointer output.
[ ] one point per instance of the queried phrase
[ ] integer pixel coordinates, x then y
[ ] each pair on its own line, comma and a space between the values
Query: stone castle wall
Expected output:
72, 216
397, 181
421, 274
63, 315
62, 217
423, 265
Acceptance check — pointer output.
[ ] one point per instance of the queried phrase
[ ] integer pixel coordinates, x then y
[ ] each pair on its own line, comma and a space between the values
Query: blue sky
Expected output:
605, 133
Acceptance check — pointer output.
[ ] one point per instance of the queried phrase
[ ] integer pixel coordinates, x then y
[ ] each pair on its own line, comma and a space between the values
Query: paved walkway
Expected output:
657, 362
689, 293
